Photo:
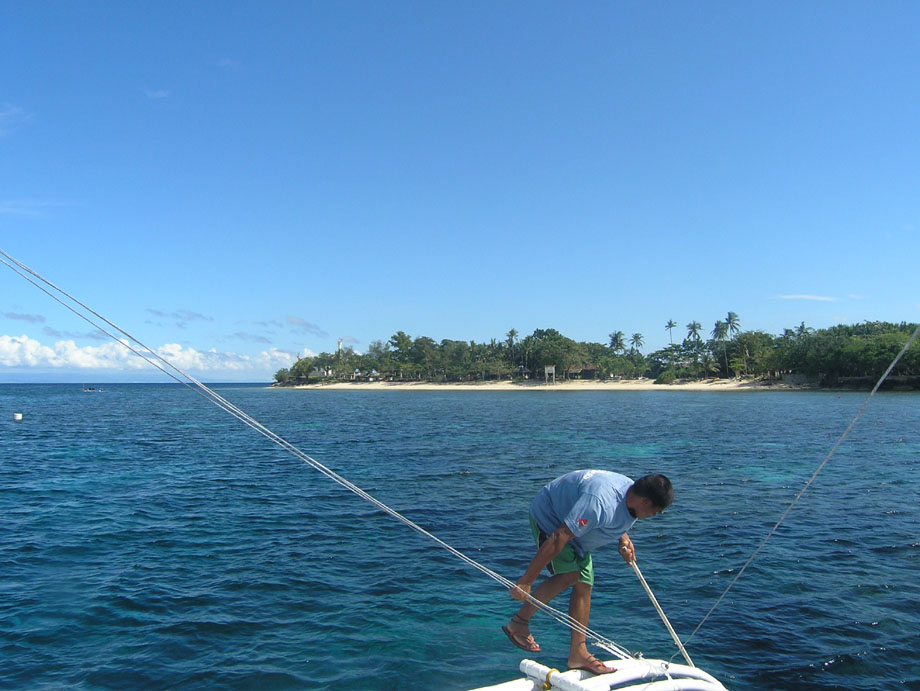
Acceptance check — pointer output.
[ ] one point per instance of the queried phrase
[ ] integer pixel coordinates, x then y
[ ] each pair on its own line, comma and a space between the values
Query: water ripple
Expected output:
148, 542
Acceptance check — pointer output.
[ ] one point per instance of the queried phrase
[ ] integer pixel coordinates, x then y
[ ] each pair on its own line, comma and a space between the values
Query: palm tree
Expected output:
710, 366
719, 332
636, 342
802, 330
669, 327
617, 342
511, 336
733, 324
693, 334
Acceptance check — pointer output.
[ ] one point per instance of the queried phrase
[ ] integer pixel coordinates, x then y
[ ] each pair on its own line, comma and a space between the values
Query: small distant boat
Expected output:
92, 389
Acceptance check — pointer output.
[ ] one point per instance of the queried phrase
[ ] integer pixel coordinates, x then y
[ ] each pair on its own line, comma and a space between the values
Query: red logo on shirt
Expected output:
582, 522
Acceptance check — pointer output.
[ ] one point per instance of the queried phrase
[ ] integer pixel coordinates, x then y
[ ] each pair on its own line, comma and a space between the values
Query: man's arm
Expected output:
548, 551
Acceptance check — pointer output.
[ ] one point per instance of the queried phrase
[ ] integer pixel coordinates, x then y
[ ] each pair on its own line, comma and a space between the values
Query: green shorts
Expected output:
567, 560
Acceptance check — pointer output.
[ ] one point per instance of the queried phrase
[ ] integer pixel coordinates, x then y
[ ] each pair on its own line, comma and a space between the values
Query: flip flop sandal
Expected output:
595, 666
529, 644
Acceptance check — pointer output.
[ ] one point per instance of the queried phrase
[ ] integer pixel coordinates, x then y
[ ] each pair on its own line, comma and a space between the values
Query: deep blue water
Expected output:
149, 540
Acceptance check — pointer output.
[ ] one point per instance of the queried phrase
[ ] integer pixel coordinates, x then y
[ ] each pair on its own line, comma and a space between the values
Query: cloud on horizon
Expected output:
26, 352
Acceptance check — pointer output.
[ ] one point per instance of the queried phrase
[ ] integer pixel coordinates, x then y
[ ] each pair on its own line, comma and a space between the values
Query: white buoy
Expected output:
17, 416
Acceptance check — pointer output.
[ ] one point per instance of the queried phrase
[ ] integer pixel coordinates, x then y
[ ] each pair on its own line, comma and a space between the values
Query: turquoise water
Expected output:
149, 540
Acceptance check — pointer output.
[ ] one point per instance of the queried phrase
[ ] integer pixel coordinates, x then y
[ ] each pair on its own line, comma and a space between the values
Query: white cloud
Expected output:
23, 352
26, 352
156, 94
819, 298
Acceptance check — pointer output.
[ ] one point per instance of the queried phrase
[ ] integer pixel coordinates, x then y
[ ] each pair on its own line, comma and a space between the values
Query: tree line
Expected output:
831, 356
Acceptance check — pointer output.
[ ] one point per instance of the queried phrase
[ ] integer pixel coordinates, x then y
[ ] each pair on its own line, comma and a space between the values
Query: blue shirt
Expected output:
591, 503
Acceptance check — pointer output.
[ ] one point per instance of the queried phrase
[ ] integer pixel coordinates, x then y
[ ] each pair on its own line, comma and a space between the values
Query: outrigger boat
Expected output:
634, 674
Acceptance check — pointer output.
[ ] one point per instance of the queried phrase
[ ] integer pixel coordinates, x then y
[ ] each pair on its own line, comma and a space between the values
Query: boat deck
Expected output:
631, 675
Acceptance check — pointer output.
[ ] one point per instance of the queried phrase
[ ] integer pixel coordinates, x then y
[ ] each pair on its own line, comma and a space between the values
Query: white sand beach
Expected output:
571, 385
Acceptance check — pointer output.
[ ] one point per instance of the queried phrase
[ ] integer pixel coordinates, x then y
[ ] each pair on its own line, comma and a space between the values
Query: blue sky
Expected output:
236, 183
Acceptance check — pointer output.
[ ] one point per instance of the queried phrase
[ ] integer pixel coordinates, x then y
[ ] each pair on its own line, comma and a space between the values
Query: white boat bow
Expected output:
631, 675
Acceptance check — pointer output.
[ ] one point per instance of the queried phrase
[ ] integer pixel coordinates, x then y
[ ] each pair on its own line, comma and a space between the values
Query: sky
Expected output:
236, 183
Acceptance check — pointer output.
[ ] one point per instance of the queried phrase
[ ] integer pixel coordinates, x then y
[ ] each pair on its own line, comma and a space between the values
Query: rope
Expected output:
150, 356
667, 624
808, 484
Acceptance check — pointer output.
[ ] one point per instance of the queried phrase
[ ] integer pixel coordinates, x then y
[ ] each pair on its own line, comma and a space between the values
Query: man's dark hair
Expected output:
656, 488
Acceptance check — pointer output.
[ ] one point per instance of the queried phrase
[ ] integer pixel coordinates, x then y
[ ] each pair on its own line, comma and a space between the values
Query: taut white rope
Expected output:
667, 624
153, 358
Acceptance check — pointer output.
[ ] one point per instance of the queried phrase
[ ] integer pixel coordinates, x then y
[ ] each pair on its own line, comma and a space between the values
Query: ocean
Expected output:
148, 540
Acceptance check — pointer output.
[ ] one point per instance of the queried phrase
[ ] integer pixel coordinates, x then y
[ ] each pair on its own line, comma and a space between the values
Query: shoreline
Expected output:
571, 385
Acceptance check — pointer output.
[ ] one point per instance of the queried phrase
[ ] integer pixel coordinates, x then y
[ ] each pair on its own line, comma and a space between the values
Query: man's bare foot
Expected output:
518, 632
591, 664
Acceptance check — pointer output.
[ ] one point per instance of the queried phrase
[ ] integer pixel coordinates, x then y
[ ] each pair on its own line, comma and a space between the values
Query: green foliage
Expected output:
666, 377
300, 370
830, 355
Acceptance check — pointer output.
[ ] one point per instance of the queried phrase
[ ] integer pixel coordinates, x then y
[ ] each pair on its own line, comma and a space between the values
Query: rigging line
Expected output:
808, 484
664, 619
151, 357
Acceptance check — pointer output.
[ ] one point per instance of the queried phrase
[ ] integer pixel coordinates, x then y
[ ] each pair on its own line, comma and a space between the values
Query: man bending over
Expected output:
571, 517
